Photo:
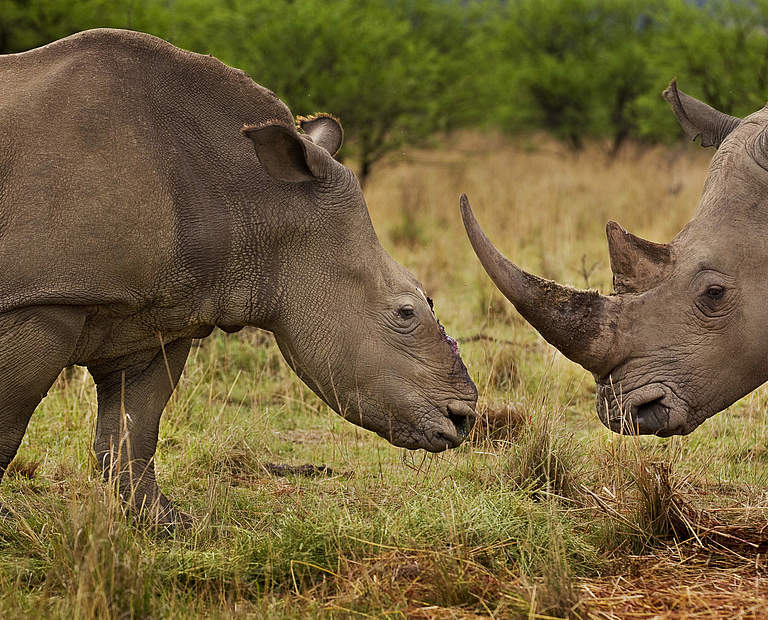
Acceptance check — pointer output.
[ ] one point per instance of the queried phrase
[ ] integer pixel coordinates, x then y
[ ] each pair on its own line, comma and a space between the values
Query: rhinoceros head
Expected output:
686, 332
355, 325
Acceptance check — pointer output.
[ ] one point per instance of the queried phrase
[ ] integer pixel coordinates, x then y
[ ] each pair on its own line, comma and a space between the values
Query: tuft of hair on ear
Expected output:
302, 121
247, 130
323, 129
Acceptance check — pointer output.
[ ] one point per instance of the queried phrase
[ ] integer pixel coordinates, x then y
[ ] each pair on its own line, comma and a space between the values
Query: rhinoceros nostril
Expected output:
462, 416
651, 417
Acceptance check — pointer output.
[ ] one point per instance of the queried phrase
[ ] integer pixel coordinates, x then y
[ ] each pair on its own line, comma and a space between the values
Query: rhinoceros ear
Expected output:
324, 130
285, 155
638, 265
698, 119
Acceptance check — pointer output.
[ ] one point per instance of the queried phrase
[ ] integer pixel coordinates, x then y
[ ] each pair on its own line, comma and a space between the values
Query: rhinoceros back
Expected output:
121, 169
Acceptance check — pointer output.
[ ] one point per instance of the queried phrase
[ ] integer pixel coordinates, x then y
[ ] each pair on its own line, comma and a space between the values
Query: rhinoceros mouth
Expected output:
440, 427
648, 410
650, 418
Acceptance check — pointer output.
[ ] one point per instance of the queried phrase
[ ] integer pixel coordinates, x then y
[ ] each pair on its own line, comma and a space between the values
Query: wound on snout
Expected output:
454, 344
451, 341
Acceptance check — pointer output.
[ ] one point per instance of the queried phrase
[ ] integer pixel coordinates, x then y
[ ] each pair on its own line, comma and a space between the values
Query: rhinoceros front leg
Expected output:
35, 344
132, 393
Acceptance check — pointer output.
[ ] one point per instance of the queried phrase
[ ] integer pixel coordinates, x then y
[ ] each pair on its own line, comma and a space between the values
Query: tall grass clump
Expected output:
98, 559
544, 459
551, 575
80, 555
645, 498
661, 511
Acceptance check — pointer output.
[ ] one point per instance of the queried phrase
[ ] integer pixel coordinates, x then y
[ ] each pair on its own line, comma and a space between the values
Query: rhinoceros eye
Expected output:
715, 292
405, 312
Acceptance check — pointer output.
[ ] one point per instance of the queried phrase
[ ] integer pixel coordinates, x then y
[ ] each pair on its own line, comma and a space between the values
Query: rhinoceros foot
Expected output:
172, 522
161, 516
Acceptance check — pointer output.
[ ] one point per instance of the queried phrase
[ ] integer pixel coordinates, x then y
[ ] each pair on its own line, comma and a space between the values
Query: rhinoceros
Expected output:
149, 195
685, 333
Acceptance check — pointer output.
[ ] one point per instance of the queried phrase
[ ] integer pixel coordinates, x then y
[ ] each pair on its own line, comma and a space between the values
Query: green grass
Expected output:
261, 542
517, 523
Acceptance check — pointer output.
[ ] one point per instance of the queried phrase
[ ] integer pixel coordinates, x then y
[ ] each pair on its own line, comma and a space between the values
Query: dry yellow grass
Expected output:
544, 205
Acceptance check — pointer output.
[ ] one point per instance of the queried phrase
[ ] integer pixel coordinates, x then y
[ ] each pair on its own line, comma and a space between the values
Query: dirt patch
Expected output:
308, 470
499, 422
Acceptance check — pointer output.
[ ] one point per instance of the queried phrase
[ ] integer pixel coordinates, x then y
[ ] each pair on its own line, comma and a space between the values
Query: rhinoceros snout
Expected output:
647, 410
648, 418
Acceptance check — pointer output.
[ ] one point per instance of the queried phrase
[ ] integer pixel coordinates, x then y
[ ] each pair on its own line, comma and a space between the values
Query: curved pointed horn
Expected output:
581, 324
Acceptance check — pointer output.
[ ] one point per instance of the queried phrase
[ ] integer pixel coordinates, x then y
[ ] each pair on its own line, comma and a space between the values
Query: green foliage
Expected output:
545, 461
400, 71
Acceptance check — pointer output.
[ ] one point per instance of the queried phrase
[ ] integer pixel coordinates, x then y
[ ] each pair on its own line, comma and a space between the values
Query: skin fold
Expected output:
149, 195
684, 334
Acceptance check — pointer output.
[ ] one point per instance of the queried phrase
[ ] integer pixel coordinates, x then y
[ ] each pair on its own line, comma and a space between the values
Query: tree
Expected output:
26, 24
576, 68
545, 64
362, 61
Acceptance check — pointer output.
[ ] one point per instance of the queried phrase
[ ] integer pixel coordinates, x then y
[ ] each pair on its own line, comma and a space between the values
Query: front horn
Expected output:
581, 324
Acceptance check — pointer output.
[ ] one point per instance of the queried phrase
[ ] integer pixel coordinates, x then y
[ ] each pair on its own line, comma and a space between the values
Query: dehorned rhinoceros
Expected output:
686, 332
135, 215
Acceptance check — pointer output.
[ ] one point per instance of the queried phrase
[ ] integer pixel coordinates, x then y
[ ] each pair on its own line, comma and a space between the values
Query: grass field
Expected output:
543, 514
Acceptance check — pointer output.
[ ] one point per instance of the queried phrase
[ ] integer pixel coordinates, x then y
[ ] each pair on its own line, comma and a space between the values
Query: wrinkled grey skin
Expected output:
149, 195
686, 332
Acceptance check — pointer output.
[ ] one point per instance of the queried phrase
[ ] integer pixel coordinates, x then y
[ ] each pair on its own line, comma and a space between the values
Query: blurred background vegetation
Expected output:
405, 71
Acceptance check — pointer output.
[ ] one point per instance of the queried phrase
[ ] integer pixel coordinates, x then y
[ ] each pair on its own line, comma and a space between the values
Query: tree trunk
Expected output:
365, 167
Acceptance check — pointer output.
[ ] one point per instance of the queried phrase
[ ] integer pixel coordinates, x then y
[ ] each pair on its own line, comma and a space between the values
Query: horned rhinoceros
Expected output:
136, 216
686, 332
